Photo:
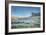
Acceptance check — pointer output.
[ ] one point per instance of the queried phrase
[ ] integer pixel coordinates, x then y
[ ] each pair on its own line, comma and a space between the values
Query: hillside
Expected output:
28, 22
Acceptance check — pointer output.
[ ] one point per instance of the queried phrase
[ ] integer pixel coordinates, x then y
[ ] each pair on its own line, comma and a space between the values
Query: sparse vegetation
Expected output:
30, 22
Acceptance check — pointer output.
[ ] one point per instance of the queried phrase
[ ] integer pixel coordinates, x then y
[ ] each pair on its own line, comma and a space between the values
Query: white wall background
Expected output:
2, 17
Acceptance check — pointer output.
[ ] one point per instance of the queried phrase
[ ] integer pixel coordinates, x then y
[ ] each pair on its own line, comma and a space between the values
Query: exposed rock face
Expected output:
25, 19
35, 14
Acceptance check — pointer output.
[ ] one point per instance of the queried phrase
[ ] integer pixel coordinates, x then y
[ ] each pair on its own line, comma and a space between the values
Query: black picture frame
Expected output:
6, 16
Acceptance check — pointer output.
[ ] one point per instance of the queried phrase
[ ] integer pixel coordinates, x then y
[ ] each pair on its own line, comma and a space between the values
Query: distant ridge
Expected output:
20, 16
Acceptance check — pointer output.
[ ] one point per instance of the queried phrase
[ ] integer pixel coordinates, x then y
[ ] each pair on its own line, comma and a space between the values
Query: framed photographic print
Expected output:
24, 17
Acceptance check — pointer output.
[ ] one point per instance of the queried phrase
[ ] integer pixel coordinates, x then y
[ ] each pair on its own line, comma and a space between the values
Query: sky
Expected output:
24, 11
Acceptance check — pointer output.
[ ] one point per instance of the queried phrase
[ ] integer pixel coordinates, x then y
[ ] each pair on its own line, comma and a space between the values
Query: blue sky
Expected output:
23, 11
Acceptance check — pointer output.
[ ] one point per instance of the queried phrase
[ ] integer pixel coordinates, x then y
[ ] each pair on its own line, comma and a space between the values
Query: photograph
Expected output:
25, 17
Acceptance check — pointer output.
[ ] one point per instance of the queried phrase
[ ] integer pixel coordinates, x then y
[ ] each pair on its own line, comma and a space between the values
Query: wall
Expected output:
2, 16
